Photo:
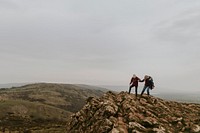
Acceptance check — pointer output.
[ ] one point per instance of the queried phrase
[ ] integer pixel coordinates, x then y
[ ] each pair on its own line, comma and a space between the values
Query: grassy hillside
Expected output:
42, 107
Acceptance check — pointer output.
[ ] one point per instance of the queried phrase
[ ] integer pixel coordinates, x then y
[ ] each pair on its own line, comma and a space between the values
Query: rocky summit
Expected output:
124, 113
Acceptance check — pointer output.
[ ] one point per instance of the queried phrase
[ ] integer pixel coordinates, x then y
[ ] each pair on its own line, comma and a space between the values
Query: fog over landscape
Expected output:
101, 42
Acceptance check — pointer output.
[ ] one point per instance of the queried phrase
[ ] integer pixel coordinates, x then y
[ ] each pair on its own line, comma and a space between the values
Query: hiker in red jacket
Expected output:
134, 83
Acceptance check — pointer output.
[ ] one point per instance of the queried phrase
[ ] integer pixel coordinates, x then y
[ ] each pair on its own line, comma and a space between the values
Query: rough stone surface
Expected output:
124, 113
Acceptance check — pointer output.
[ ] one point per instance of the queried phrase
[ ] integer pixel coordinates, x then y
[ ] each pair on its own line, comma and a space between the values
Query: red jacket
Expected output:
134, 81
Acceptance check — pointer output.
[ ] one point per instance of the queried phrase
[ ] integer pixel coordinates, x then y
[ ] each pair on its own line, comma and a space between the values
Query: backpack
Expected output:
151, 83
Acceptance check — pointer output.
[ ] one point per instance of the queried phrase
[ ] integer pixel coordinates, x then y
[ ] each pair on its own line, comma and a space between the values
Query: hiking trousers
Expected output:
135, 89
146, 87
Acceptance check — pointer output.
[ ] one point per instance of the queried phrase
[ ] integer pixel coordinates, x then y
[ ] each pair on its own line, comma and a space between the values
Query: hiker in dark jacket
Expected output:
148, 84
134, 83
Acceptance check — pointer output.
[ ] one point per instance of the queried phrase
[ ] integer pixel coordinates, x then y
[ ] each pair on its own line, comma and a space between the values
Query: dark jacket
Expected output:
148, 82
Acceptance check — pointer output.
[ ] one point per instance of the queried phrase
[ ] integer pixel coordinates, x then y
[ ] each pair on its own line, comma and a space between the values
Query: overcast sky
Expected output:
101, 42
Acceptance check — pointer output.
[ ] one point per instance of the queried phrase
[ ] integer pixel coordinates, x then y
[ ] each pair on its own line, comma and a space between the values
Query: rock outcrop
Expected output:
124, 113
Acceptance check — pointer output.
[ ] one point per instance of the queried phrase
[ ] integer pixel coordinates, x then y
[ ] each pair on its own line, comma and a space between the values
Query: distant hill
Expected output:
124, 113
42, 107
9, 85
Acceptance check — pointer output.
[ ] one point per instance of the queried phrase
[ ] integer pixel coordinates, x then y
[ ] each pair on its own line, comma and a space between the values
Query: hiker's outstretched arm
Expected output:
141, 80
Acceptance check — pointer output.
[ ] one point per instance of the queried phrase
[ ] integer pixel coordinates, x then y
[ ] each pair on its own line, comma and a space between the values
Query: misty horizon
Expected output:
117, 88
